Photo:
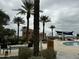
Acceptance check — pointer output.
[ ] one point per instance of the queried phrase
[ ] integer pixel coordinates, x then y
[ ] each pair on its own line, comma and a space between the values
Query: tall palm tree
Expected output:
26, 9
52, 27
44, 19
36, 27
18, 21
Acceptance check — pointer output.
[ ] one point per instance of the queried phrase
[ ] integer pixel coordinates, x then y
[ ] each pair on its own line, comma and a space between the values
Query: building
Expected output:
31, 33
41, 36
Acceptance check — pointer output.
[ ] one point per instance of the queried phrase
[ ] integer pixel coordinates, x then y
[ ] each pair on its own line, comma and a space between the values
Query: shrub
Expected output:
38, 57
49, 53
25, 52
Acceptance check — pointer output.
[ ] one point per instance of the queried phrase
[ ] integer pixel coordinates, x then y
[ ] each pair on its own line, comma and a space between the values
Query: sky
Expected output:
64, 14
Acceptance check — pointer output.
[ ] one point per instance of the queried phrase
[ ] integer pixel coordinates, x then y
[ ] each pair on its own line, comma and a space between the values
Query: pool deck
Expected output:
60, 47
66, 52
63, 51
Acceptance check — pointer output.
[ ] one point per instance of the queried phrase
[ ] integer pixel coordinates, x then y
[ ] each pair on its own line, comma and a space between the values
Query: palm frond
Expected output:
44, 19
21, 11
18, 20
41, 11
26, 7
48, 20
52, 26
27, 4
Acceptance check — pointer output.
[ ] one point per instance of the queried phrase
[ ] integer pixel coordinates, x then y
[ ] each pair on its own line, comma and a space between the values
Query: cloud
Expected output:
64, 14
68, 18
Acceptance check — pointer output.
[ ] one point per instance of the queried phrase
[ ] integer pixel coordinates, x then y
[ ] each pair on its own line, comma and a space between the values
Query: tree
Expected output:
4, 18
12, 32
44, 19
9, 32
27, 8
10, 35
1, 33
18, 21
52, 27
36, 27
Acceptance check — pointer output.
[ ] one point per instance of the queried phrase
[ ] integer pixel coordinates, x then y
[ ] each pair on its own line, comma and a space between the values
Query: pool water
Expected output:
73, 43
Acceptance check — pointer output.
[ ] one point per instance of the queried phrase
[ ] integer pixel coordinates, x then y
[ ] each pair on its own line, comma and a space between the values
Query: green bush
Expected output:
38, 57
49, 53
25, 53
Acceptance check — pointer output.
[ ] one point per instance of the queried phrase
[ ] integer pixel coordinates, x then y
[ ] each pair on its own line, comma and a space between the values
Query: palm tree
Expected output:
36, 27
44, 19
18, 21
52, 27
26, 8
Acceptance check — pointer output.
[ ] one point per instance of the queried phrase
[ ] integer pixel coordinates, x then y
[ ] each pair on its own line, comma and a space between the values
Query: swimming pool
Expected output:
72, 43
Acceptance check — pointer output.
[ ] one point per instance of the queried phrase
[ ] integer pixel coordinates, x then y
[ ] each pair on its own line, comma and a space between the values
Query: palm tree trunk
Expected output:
27, 32
43, 29
36, 27
27, 29
52, 33
18, 31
